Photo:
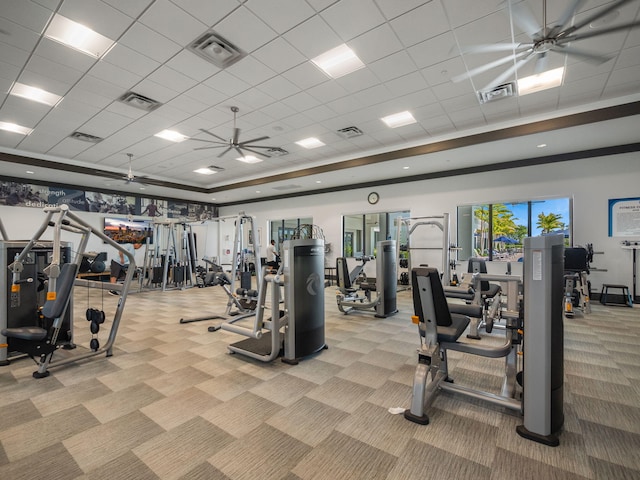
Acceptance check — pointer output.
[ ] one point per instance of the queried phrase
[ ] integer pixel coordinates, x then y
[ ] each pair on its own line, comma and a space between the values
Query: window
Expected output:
362, 232
497, 231
282, 230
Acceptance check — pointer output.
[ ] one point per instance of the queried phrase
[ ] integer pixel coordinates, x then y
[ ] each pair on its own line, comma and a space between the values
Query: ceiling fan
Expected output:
545, 40
130, 177
234, 142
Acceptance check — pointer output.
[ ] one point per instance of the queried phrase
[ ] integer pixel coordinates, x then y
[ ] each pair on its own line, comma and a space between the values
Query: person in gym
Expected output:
272, 256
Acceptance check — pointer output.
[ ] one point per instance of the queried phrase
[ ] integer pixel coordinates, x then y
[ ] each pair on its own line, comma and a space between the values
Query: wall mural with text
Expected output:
39, 196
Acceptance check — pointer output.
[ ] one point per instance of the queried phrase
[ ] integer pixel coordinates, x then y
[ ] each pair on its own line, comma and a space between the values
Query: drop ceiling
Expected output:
411, 49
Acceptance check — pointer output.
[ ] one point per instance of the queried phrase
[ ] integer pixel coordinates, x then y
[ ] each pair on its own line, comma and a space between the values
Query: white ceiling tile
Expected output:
350, 18
96, 15
622, 76
313, 37
171, 21
421, 24
391, 9
374, 95
428, 111
254, 99
282, 15
251, 68
154, 90
36, 143
468, 118
456, 102
320, 113
393, 66
461, 12
207, 11
192, 65
628, 57
56, 52
48, 4
176, 80
16, 35
22, 111
358, 80
279, 55
226, 83
130, 60
115, 75
278, 111
69, 148
132, 8
125, 110
319, 5
26, 14
406, 84
149, 43
434, 50
325, 92
345, 105
305, 75
278, 88
107, 123
301, 101
205, 95
443, 71
50, 76
11, 56
245, 30
376, 44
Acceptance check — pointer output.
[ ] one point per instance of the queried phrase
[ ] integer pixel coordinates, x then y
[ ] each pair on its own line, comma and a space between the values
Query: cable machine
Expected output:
170, 261
442, 222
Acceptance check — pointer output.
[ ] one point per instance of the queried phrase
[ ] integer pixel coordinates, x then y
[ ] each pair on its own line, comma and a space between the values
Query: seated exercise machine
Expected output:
297, 330
385, 286
576, 285
538, 328
52, 324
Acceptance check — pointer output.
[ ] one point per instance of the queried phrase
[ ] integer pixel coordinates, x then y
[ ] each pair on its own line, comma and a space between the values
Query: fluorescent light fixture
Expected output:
318, 181
78, 37
399, 119
310, 142
171, 135
405, 168
30, 172
542, 145
35, 94
249, 159
205, 171
541, 81
12, 127
338, 61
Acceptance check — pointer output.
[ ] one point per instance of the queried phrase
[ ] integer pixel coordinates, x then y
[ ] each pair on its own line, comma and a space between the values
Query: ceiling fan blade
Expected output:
236, 134
586, 21
256, 152
596, 33
244, 145
525, 19
212, 134
582, 54
212, 146
495, 47
228, 148
239, 151
208, 141
252, 140
507, 73
486, 67
541, 63
566, 16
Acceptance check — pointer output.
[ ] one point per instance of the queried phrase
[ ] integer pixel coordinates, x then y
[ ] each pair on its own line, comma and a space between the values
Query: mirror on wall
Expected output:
361, 232
281, 230
496, 231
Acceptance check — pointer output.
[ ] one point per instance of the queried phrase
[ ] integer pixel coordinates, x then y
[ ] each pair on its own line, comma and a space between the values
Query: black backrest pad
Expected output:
575, 259
342, 273
64, 285
443, 317
478, 265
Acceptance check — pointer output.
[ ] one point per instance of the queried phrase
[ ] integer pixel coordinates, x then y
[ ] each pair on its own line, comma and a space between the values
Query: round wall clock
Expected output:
373, 198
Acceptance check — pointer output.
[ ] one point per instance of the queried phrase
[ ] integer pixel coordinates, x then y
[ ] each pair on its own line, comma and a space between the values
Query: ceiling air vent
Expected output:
85, 137
277, 152
215, 49
496, 93
287, 187
350, 132
139, 101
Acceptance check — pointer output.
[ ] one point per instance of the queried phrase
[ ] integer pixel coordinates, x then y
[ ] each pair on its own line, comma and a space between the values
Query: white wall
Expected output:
590, 182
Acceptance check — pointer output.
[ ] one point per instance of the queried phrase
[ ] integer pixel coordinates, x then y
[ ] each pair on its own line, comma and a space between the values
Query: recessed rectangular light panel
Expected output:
77, 36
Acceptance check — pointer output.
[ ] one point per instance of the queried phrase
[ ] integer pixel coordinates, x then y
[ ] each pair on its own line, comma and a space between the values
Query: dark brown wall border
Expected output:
527, 162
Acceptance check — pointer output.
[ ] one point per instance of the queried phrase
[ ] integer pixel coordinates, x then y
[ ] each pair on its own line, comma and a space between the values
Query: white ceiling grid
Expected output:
411, 50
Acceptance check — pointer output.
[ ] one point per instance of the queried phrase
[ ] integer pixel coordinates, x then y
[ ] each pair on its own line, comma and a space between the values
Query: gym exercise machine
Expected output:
50, 329
442, 223
170, 261
242, 301
385, 286
298, 330
536, 331
576, 285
